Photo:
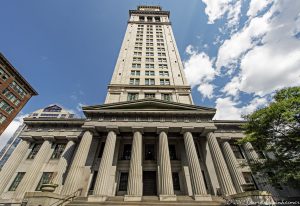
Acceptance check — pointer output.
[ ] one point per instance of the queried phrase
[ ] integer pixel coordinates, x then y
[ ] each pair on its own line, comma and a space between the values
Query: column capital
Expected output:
186, 129
90, 128
208, 130
48, 138
73, 138
27, 138
162, 129
138, 129
113, 129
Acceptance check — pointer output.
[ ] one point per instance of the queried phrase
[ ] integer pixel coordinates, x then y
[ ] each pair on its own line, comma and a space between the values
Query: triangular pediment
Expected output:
148, 105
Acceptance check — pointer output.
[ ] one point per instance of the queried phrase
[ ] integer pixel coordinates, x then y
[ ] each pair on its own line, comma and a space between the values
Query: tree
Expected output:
275, 130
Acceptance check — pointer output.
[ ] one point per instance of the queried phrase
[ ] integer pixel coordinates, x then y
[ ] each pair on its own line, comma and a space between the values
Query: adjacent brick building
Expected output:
15, 92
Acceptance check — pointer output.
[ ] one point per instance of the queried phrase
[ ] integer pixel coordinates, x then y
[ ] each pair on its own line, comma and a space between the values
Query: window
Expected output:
237, 151
176, 182
11, 97
139, 39
135, 73
149, 73
149, 49
101, 150
149, 59
18, 89
2, 118
158, 26
149, 152
149, 44
149, 18
140, 29
138, 48
126, 152
34, 151
137, 66
149, 32
58, 150
137, 53
149, 95
132, 96
172, 152
4, 76
150, 36
166, 97
161, 54
149, 66
138, 44
141, 25
164, 82
149, 26
160, 44
162, 60
163, 66
123, 181
161, 49
159, 36
159, 33
164, 73
159, 40
139, 35
137, 59
5, 106
142, 18
157, 19
16, 181
134, 81
149, 40
45, 179
149, 54
149, 82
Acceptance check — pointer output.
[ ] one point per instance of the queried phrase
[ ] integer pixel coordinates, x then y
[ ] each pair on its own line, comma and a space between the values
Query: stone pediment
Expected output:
149, 105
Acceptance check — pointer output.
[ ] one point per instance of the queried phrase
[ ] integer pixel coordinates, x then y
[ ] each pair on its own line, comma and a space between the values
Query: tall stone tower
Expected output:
149, 64
148, 142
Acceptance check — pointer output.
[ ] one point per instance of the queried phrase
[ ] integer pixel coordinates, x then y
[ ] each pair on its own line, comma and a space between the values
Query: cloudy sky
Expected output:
235, 53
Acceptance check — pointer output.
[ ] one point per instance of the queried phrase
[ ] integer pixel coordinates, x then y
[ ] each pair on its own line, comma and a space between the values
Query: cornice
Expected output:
167, 13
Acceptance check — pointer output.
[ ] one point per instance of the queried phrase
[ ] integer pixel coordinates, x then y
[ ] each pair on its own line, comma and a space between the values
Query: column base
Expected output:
167, 197
94, 198
132, 198
202, 197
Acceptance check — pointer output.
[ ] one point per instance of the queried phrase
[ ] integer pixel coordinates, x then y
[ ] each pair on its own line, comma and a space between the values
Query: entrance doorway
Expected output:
149, 183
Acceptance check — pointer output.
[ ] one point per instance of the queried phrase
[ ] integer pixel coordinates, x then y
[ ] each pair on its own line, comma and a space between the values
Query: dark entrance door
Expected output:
149, 183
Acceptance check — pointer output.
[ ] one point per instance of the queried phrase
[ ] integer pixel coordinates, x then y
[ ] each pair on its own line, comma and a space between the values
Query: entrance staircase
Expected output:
148, 200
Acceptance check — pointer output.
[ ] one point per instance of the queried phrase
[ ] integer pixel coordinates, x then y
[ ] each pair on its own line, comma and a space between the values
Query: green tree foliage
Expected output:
275, 130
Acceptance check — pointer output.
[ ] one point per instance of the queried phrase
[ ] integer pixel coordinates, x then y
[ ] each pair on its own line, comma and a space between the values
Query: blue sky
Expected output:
235, 53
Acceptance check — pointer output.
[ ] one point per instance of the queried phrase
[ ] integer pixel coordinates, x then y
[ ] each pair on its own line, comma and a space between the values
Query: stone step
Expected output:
149, 201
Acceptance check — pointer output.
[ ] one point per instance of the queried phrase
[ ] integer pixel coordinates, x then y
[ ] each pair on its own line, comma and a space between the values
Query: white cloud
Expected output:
10, 130
268, 52
256, 6
206, 90
216, 9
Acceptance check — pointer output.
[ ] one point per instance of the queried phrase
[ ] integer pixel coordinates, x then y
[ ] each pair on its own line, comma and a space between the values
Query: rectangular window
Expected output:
16, 181
161, 49
140, 25
163, 66
139, 36
150, 36
161, 54
172, 152
134, 81
166, 97
149, 66
34, 151
149, 32
45, 179
139, 39
159, 40
149, 59
126, 152
149, 82
149, 95
58, 150
132, 96
138, 44
237, 151
142, 18
149, 19
2, 118
149, 44
137, 53
149, 54
164, 82
149, 152
6, 107
164, 73
160, 44
123, 181
159, 36
138, 48
140, 29
135, 73
162, 60
149, 40
136, 66
157, 19
176, 182
149, 73
149, 49
137, 59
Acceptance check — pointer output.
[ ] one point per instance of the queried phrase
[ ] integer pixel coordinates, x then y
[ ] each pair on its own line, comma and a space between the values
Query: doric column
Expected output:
224, 178
63, 162
166, 182
12, 164
197, 180
74, 177
100, 191
135, 178
35, 168
234, 167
